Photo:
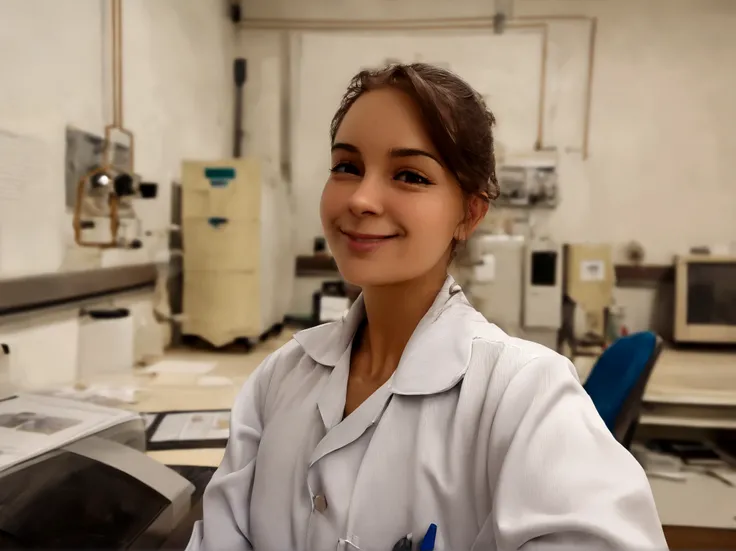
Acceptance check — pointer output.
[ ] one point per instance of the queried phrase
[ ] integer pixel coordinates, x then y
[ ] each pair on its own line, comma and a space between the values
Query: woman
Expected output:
414, 415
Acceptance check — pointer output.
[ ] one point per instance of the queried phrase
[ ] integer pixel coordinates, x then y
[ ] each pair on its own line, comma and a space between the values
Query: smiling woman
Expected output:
413, 414
412, 173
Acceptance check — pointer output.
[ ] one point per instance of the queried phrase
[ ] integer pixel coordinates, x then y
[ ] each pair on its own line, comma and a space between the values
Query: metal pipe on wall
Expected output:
109, 145
240, 74
117, 64
482, 23
455, 24
592, 38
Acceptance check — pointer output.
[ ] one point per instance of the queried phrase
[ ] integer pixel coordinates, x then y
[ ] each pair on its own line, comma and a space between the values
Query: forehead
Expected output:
384, 118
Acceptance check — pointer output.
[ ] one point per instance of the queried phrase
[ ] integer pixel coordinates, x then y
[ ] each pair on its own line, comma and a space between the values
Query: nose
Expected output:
366, 200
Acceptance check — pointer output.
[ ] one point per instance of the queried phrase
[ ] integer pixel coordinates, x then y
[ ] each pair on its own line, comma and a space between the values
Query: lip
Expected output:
365, 242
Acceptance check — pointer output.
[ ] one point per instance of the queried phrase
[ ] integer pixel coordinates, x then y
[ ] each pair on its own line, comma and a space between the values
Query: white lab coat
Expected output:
491, 438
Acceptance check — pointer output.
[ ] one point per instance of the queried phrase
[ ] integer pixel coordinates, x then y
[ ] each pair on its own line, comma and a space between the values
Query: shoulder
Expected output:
512, 356
517, 370
278, 364
496, 358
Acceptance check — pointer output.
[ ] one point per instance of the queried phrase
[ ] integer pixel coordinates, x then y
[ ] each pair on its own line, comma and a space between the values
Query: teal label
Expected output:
219, 177
216, 221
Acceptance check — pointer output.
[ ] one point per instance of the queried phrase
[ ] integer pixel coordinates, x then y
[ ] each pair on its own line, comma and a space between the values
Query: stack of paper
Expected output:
31, 425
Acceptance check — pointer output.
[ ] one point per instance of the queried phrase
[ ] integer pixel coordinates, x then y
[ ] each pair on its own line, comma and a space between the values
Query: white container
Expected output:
106, 344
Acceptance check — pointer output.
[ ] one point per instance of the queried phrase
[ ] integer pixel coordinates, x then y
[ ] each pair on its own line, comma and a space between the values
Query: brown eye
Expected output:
411, 177
345, 168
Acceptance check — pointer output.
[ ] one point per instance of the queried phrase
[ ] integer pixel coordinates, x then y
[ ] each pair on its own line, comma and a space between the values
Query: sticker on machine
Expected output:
592, 270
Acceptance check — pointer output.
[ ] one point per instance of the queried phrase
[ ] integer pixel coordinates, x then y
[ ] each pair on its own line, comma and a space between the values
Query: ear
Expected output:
476, 210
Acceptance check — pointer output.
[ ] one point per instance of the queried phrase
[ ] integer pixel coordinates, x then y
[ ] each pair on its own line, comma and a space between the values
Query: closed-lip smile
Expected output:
365, 242
366, 236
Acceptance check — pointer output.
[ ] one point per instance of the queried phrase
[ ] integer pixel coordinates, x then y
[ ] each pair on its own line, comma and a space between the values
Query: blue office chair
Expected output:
617, 381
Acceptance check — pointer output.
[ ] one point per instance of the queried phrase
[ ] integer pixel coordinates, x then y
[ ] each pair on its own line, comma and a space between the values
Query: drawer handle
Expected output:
217, 221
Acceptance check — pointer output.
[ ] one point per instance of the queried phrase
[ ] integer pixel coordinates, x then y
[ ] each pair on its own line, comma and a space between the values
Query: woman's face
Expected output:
390, 209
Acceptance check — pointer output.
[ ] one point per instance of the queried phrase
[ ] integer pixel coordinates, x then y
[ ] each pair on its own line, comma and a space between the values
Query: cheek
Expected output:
433, 218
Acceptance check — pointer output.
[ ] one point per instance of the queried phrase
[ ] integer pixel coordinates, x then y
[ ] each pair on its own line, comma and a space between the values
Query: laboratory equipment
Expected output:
705, 299
543, 285
331, 302
495, 286
589, 283
100, 492
105, 191
237, 242
528, 181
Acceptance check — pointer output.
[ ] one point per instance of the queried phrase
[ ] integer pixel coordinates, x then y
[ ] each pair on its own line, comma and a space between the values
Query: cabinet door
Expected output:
226, 189
213, 244
222, 306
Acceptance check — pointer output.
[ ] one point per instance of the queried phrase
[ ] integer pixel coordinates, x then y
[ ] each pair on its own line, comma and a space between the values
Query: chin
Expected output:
364, 276
364, 272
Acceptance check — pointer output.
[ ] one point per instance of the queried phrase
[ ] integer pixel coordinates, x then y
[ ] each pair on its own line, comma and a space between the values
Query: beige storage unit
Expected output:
238, 259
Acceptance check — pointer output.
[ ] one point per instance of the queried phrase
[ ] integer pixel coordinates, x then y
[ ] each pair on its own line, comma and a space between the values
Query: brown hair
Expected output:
456, 118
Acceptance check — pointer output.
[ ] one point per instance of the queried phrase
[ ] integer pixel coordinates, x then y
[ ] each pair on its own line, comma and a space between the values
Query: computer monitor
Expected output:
705, 299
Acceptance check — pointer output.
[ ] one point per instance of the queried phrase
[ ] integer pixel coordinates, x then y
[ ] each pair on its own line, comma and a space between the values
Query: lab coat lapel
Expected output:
327, 343
330, 346
435, 360
353, 426
331, 400
438, 353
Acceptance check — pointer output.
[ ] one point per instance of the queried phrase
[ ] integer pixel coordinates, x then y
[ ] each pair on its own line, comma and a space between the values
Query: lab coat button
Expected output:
320, 503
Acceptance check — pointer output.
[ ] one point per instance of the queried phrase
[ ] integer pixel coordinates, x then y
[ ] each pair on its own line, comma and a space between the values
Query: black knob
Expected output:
148, 190
124, 185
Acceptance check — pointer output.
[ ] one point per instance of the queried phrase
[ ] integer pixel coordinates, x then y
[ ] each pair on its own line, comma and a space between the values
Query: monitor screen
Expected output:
711, 293
544, 268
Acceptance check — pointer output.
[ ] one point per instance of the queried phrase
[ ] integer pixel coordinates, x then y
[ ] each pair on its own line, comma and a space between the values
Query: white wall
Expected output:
177, 90
662, 123
178, 101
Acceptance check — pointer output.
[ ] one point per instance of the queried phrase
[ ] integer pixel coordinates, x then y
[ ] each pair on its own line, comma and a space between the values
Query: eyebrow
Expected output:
397, 152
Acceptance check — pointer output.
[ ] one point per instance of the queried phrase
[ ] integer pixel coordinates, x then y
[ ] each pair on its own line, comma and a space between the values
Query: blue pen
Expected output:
429, 538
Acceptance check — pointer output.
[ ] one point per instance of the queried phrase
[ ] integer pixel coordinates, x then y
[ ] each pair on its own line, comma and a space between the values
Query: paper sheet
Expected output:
592, 270
181, 367
31, 425
174, 379
193, 426
99, 394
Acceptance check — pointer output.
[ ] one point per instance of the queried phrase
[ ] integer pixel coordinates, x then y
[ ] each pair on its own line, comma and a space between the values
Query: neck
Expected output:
392, 314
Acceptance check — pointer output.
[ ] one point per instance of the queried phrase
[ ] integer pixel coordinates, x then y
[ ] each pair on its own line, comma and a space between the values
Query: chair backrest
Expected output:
618, 379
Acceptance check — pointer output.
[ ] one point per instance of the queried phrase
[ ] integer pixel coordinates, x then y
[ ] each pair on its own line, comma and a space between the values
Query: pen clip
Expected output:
349, 544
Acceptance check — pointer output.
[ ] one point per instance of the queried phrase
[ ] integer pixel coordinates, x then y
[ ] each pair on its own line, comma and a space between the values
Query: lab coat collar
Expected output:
435, 358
